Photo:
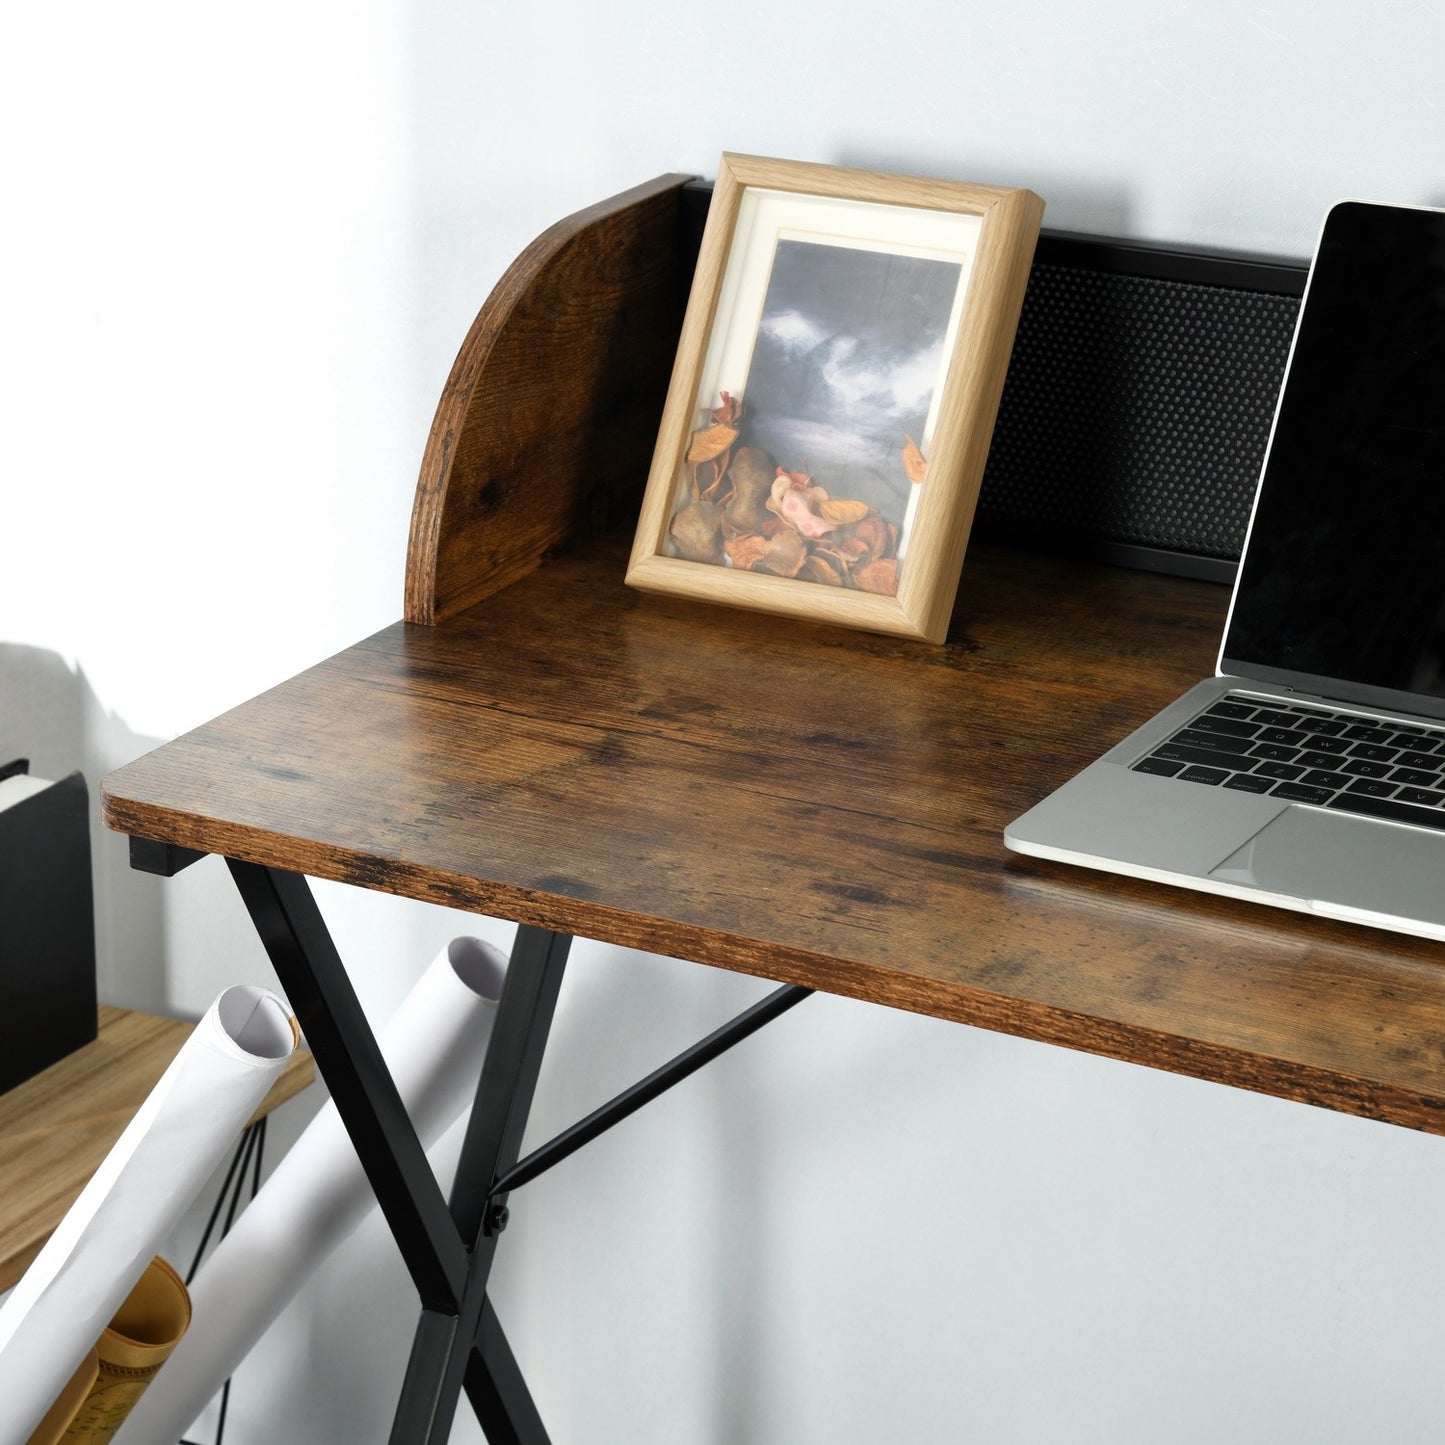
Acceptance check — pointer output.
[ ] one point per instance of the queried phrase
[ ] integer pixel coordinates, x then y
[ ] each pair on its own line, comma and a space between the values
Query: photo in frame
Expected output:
834, 392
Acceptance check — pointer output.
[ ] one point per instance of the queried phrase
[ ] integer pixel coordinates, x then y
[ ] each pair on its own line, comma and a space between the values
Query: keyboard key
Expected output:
1193, 738
1425, 797
1290, 737
1414, 777
1209, 723
1249, 783
1412, 737
1275, 752
1324, 725
1321, 779
1288, 771
1362, 734
1230, 708
1352, 802
1275, 718
1162, 766
1213, 757
1429, 762
1314, 759
1214, 776
1373, 787
1364, 768
1323, 744
1373, 751
1299, 793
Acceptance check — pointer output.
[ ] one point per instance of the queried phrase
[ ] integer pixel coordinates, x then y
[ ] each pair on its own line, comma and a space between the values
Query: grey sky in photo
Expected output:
847, 354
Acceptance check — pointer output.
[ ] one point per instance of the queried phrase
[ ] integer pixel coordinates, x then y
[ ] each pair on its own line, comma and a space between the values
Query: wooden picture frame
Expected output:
834, 393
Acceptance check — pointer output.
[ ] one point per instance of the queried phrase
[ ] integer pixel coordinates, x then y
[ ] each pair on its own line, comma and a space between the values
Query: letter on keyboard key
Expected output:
1425, 797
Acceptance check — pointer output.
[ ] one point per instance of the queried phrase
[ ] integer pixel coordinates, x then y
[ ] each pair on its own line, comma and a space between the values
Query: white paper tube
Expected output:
135, 1199
318, 1194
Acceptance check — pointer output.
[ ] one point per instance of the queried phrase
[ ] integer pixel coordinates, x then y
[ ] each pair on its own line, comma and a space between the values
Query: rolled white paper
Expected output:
135, 1199
318, 1194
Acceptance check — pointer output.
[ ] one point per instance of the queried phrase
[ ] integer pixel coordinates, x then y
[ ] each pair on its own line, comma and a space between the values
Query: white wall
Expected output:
240, 246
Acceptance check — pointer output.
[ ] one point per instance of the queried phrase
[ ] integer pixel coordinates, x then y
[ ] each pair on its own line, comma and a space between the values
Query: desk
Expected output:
814, 806
57, 1127
817, 807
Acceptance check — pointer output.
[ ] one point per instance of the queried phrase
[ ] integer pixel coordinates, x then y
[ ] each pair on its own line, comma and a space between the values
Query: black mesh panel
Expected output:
1136, 410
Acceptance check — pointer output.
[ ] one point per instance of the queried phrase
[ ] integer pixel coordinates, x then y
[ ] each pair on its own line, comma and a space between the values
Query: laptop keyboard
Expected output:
1301, 754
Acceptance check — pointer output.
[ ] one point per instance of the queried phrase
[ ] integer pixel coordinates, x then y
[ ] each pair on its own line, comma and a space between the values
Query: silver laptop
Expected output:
1310, 771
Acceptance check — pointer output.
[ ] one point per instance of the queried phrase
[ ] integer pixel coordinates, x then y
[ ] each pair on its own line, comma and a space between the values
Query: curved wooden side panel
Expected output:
546, 425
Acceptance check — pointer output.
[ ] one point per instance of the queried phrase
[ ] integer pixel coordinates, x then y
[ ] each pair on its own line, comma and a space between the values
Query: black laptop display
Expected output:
1343, 578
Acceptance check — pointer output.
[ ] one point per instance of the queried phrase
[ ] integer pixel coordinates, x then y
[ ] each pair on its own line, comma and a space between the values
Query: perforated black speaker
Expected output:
1138, 402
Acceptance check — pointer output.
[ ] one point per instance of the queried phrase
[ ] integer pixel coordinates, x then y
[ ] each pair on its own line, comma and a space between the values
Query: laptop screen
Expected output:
1342, 585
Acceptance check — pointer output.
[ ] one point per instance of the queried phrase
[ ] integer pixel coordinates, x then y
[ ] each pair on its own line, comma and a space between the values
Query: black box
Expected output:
47, 924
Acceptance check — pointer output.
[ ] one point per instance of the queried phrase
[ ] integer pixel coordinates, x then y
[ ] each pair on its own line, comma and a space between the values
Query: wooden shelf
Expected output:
57, 1127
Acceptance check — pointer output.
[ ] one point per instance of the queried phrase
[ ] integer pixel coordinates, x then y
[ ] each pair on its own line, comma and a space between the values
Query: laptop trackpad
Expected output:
1338, 859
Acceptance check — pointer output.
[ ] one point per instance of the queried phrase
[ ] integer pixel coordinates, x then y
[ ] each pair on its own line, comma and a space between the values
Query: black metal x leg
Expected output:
347, 1054
498, 1393
475, 1353
447, 1249
448, 1245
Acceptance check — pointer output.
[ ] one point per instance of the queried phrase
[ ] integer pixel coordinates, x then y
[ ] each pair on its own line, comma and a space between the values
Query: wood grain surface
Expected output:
811, 805
549, 415
57, 1127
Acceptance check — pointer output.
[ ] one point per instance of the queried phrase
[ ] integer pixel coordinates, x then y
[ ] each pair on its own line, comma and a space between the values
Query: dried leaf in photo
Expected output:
913, 461
751, 479
880, 576
711, 442
696, 532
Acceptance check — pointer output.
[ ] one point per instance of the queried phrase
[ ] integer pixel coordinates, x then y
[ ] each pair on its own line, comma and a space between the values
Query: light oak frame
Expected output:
1010, 220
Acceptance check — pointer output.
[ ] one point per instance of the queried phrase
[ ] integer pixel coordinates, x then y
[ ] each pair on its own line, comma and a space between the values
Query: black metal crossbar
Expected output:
658, 1082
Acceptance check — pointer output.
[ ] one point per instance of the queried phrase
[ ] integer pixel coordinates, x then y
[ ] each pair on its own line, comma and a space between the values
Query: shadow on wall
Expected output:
49, 714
